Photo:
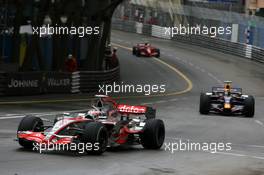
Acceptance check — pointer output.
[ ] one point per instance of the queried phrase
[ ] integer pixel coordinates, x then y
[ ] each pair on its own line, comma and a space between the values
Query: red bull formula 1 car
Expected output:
227, 100
106, 124
145, 49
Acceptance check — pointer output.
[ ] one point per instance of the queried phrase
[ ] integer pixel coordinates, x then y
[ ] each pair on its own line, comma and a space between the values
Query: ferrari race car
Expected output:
106, 124
145, 49
227, 101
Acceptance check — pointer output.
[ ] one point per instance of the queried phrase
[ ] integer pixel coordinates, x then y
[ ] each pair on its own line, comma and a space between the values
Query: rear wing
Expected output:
149, 112
232, 90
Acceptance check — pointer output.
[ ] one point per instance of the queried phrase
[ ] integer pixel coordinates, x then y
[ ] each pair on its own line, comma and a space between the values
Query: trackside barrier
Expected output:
258, 54
75, 84
3, 80
222, 45
90, 81
139, 27
159, 32
33, 83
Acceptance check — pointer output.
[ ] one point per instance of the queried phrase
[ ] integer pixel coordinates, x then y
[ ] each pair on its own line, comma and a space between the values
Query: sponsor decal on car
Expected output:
131, 109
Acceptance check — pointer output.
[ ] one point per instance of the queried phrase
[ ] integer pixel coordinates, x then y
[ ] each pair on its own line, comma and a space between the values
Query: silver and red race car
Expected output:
227, 100
106, 124
145, 49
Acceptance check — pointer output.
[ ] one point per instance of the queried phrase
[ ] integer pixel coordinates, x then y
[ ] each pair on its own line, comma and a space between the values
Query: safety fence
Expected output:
214, 43
33, 83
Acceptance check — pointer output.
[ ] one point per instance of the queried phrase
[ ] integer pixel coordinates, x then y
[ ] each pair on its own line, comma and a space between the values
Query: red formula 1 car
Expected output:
106, 124
145, 49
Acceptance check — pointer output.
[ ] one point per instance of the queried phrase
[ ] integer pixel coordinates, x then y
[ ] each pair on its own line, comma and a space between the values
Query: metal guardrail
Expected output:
258, 54
213, 43
90, 81
3, 85
225, 46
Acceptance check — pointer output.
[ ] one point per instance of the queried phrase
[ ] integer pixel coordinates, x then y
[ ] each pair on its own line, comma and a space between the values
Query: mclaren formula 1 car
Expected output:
227, 100
145, 49
106, 124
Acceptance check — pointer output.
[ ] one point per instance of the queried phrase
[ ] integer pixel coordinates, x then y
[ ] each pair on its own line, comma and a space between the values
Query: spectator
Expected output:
71, 64
114, 59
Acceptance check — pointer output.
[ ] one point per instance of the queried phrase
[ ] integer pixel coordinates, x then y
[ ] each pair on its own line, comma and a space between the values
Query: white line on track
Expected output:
240, 155
210, 75
12, 117
184, 61
259, 122
231, 154
243, 145
202, 70
191, 64
198, 68
149, 103
257, 157
161, 101
184, 98
219, 81
228, 153
174, 99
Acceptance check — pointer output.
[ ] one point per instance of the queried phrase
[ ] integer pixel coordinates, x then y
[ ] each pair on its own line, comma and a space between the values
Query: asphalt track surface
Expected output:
178, 108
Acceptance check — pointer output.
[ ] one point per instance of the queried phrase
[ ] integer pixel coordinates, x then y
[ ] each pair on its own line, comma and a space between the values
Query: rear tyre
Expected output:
29, 123
204, 104
153, 134
249, 108
96, 135
158, 55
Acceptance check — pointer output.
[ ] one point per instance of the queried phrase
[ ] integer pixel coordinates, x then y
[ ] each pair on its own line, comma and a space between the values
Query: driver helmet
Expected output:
228, 89
70, 56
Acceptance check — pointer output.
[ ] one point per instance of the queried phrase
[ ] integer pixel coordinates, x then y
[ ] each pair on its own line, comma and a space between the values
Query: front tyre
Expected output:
153, 134
96, 135
138, 54
204, 104
29, 123
134, 51
249, 108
